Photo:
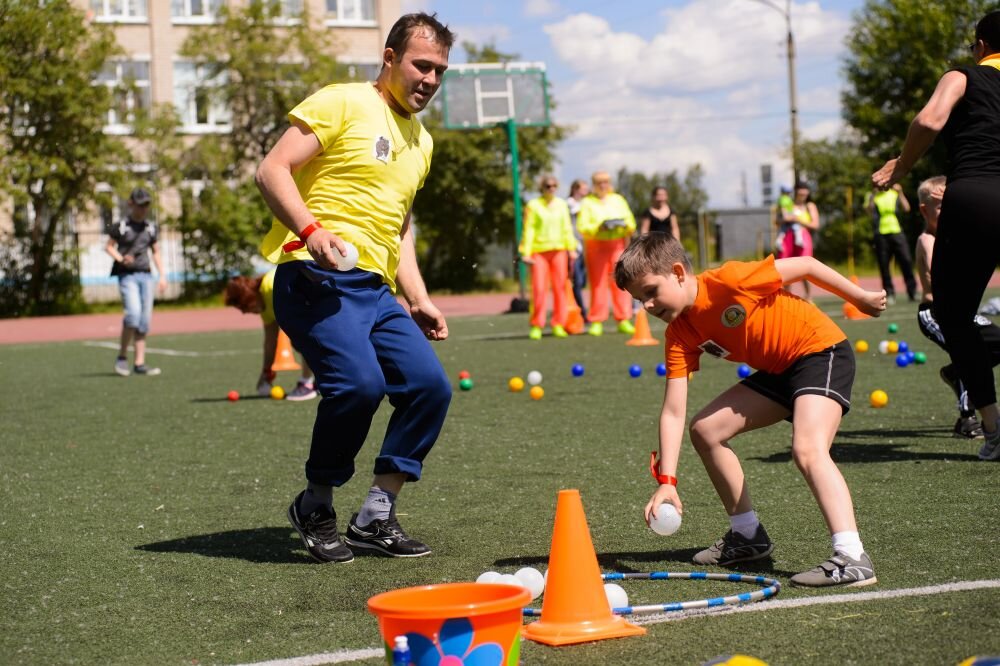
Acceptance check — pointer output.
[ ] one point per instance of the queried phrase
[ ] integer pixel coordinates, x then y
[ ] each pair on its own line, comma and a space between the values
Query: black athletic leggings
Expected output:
965, 255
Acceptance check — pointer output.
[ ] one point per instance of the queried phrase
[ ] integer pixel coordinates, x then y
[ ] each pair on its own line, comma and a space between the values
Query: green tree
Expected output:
259, 73
898, 49
467, 203
53, 151
687, 197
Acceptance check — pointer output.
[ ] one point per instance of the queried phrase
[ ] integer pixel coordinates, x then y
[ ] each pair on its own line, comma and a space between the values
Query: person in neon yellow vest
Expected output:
889, 239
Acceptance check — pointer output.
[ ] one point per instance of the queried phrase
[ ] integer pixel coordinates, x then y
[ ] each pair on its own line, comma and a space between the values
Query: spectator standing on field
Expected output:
889, 239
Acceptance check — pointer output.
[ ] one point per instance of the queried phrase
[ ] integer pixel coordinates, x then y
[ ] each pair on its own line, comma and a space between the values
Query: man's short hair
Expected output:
653, 253
408, 24
988, 30
926, 189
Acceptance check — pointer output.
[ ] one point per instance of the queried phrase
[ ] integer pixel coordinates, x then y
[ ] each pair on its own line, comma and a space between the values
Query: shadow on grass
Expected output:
874, 453
624, 562
273, 545
226, 399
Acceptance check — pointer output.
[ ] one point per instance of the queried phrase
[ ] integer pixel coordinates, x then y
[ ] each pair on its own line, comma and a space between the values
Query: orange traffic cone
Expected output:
284, 359
575, 609
574, 317
642, 337
851, 311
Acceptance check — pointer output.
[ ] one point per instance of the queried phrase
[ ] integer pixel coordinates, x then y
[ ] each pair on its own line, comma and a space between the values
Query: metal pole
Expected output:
793, 104
515, 175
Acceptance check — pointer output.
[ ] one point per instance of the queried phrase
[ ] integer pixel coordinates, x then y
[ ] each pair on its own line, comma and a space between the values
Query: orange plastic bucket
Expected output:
454, 621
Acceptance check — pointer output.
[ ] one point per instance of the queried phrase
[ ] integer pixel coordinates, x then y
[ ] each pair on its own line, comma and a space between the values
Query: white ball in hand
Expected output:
348, 262
666, 521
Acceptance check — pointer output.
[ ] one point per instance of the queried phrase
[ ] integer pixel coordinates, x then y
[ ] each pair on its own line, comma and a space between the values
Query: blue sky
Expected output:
658, 86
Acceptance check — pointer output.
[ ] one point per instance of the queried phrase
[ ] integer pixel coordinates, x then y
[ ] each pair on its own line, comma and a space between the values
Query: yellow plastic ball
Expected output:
277, 393
879, 398
515, 384
536, 392
893, 346
861, 346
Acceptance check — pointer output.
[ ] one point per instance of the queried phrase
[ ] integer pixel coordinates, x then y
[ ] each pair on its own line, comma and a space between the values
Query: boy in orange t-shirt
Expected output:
805, 371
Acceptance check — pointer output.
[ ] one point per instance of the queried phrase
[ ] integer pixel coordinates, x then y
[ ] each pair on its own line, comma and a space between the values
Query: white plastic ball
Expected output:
509, 579
616, 594
534, 378
348, 262
666, 521
488, 577
531, 579
883, 347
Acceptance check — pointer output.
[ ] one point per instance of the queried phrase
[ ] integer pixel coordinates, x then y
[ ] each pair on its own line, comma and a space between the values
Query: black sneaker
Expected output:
968, 427
146, 370
384, 536
319, 533
734, 547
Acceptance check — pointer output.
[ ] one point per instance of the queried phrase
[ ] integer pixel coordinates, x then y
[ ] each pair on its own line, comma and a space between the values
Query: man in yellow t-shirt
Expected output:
346, 172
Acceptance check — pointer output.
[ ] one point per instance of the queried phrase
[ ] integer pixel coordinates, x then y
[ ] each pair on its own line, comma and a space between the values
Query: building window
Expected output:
128, 81
120, 11
195, 11
355, 12
362, 71
288, 11
197, 101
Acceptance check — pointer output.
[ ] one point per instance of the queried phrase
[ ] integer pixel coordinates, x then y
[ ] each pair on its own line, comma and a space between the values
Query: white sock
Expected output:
306, 381
848, 543
745, 524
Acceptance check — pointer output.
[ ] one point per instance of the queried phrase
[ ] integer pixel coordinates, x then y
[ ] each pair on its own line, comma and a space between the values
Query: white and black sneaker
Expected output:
734, 547
319, 533
384, 536
121, 366
839, 569
991, 447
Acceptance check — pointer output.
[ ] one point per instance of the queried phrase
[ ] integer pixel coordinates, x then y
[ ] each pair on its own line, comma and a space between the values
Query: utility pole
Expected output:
793, 105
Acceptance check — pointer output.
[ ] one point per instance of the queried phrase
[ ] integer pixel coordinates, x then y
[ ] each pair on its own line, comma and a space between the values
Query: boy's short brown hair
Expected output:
926, 189
242, 292
653, 253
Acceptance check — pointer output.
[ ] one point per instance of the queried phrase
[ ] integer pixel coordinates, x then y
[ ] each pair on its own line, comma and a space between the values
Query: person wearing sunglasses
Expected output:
965, 110
548, 245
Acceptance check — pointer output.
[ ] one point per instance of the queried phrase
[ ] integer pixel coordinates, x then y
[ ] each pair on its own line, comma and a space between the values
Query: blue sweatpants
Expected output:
361, 345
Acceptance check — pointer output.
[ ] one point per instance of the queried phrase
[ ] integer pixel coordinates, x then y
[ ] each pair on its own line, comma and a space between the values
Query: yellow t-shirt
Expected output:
362, 183
594, 212
547, 227
266, 292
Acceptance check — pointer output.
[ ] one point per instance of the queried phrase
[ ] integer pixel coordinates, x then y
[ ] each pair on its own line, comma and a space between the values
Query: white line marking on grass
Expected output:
173, 352
346, 656
341, 657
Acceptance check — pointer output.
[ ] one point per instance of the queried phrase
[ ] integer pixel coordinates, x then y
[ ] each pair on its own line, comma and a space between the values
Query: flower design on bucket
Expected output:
453, 647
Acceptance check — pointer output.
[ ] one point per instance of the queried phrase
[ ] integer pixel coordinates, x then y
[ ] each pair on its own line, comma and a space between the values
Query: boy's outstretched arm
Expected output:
794, 269
671, 435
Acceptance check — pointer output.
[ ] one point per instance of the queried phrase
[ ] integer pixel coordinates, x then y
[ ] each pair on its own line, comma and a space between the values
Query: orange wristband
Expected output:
654, 469
292, 246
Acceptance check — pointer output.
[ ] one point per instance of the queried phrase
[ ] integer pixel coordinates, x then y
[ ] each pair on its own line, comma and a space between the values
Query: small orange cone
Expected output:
575, 608
851, 311
642, 337
574, 317
284, 359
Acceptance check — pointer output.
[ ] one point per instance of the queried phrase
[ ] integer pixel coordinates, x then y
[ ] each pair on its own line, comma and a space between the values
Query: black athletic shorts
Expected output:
829, 372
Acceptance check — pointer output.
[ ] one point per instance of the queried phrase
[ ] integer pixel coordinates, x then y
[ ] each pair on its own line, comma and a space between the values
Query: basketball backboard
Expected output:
486, 94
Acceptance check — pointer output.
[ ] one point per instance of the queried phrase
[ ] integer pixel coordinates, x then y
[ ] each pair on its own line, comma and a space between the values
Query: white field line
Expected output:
346, 656
173, 352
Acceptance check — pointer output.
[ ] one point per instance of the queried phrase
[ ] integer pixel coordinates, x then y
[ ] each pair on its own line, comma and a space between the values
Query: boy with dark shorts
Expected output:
930, 194
742, 313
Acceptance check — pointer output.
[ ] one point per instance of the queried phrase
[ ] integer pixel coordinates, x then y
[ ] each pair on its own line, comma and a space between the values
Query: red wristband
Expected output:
292, 246
654, 469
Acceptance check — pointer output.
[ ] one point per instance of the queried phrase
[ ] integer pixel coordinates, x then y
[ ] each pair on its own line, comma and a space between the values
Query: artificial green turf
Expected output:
143, 517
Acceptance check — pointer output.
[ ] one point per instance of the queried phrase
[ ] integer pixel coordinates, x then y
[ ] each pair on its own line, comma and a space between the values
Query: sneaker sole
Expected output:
858, 583
750, 558
373, 548
303, 398
305, 542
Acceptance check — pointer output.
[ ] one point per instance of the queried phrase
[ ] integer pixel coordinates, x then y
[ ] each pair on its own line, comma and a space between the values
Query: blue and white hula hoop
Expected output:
770, 589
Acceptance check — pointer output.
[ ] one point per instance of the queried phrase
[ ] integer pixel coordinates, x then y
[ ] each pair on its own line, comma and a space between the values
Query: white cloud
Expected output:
540, 7
481, 34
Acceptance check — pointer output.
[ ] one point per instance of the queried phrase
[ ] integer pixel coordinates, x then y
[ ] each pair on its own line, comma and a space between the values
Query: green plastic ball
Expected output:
893, 328
465, 384
919, 358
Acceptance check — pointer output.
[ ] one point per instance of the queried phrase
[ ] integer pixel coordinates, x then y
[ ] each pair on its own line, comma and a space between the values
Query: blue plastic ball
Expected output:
744, 371
902, 360
635, 370
661, 369
903, 346
577, 370
910, 356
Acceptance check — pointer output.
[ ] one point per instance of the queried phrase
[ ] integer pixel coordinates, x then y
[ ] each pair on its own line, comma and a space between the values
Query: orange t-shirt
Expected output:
742, 314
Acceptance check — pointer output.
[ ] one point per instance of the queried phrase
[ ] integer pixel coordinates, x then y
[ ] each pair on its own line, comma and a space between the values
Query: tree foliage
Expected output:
262, 72
467, 203
898, 50
53, 152
687, 196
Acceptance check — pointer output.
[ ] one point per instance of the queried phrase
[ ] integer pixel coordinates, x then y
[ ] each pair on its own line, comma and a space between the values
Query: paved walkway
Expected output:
166, 322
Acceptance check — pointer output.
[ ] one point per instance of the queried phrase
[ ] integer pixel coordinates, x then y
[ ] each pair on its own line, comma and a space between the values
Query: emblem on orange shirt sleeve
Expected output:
713, 348
733, 316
